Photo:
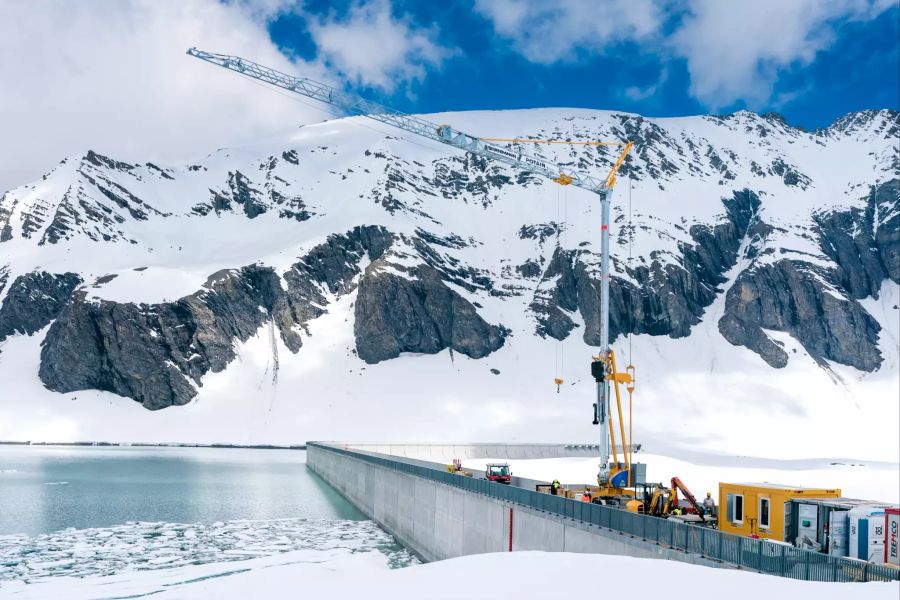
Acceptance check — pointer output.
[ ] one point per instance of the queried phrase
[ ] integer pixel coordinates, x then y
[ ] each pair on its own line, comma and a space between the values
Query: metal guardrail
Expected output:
747, 553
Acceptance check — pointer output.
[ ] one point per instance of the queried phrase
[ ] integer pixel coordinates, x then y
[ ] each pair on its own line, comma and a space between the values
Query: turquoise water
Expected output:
49, 488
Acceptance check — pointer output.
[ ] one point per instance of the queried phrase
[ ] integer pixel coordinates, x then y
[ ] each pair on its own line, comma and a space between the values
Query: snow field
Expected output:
526, 575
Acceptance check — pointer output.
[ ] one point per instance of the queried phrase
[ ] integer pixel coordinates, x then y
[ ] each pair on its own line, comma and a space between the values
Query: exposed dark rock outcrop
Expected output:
417, 312
661, 298
864, 243
817, 305
529, 269
789, 174
5, 215
327, 268
241, 192
158, 353
795, 297
34, 299
554, 306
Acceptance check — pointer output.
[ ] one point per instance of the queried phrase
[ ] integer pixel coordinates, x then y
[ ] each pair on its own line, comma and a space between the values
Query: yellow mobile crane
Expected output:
614, 476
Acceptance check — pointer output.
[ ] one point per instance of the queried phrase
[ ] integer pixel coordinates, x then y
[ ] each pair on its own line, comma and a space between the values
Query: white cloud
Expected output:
372, 47
114, 77
565, 30
639, 93
737, 50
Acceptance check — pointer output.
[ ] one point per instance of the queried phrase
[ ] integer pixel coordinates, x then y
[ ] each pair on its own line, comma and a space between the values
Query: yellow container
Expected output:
758, 509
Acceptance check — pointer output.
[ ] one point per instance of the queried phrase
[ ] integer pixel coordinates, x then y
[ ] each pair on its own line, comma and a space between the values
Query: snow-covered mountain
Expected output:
348, 281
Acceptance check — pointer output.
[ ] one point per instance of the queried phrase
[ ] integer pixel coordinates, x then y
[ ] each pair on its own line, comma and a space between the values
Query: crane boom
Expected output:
354, 105
603, 368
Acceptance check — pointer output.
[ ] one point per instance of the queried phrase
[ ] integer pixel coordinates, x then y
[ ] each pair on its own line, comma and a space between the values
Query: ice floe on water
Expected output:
146, 546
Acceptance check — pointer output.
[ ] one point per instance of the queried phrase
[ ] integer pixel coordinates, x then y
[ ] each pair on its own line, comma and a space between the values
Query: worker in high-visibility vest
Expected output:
586, 496
554, 487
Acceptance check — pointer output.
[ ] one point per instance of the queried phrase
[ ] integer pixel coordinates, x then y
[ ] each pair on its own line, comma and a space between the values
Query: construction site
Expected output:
405, 299
443, 501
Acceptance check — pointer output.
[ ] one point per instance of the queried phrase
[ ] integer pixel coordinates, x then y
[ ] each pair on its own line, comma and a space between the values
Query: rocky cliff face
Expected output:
864, 242
34, 300
816, 304
416, 311
657, 298
452, 252
157, 354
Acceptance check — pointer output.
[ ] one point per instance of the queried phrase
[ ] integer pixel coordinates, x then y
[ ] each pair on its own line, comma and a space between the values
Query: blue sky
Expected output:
114, 76
842, 57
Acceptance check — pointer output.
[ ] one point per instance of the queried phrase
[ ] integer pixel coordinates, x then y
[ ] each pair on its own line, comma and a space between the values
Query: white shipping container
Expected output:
838, 539
867, 533
892, 537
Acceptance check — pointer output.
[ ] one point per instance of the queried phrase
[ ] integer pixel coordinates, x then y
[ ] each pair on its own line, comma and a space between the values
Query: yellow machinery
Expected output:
758, 509
659, 501
619, 476
650, 499
456, 467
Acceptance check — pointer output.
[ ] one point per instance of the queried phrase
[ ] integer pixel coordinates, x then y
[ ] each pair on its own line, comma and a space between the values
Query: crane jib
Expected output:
354, 105
500, 151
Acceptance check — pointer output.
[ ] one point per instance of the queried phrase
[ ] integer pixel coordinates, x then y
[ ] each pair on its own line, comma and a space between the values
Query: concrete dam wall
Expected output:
438, 521
439, 515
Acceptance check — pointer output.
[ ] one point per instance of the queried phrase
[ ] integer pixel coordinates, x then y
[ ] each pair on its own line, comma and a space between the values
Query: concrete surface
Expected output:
438, 521
444, 453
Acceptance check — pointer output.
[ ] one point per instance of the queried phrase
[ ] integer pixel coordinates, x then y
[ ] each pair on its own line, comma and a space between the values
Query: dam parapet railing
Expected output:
709, 544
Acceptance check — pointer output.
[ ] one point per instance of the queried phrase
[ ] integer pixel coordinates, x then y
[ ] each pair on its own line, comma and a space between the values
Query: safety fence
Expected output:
748, 553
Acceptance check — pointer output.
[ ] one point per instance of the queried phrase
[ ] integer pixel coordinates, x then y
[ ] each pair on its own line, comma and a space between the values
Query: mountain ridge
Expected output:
445, 252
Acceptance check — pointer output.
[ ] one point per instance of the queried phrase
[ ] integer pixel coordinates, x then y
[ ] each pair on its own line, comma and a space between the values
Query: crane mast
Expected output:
603, 366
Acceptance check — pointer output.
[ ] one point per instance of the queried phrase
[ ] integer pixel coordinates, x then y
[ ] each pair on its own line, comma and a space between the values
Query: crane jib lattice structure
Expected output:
612, 476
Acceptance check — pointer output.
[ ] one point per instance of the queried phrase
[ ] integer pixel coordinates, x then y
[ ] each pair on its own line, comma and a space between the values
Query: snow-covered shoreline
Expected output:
525, 575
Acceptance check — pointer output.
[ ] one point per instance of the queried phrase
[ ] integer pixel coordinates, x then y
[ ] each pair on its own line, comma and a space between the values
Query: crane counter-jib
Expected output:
611, 476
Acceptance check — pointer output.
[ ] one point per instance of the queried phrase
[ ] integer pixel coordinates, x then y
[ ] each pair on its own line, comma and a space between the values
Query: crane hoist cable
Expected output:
562, 226
630, 368
558, 380
565, 249
630, 252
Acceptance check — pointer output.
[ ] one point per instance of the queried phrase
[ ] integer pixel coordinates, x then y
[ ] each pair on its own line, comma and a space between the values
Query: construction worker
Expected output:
554, 487
586, 496
676, 511
709, 505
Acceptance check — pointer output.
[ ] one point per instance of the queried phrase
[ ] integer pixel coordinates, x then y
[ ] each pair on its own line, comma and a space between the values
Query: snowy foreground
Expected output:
342, 574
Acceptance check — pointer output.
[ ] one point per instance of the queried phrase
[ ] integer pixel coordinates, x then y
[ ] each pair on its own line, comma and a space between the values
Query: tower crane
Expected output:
613, 476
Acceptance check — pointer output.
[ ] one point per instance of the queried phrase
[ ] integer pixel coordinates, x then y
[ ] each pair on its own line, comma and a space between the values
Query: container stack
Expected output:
845, 527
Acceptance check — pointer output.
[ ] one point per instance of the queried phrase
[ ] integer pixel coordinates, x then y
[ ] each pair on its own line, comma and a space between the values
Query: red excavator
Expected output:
694, 508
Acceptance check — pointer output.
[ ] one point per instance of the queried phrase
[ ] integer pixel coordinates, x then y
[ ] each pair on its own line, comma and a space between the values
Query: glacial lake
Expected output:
79, 511
49, 488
